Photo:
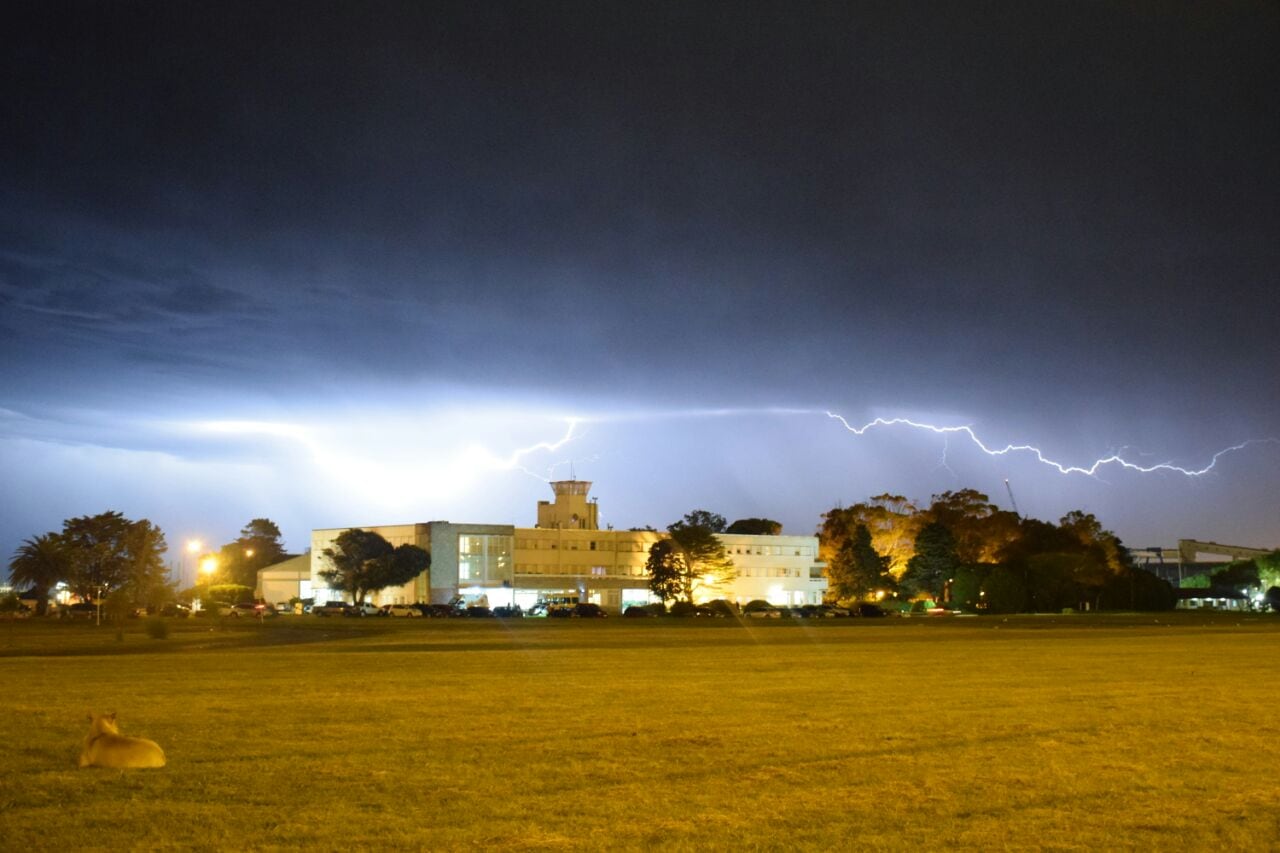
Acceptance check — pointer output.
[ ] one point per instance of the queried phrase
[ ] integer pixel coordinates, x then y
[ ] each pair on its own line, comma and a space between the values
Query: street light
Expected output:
209, 565
193, 547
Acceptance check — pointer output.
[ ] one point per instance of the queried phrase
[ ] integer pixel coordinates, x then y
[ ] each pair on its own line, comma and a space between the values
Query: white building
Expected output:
566, 554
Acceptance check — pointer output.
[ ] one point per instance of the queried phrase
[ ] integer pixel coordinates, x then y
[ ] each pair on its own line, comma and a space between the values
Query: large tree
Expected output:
257, 547
694, 558
1238, 575
892, 519
40, 563
146, 581
980, 528
935, 561
362, 561
666, 568
857, 568
108, 551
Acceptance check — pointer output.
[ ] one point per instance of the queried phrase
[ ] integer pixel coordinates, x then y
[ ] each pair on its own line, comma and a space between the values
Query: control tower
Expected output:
571, 510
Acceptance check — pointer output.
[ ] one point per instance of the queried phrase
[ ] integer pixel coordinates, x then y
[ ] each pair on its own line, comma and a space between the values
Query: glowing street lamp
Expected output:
192, 547
209, 565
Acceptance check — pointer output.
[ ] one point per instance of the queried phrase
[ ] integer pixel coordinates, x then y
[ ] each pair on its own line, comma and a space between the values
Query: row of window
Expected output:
770, 550
639, 571
625, 546
585, 571
631, 546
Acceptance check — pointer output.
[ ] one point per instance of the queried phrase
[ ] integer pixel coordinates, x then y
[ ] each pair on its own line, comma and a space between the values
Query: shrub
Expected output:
156, 628
683, 608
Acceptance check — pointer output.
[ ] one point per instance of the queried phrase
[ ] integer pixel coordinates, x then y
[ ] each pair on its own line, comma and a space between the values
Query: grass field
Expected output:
1098, 732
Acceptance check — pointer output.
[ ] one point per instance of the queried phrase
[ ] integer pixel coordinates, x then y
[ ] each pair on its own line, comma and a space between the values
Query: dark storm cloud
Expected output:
1060, 216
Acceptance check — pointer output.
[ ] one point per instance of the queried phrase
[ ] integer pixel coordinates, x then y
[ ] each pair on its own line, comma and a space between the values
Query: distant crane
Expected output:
1008, 488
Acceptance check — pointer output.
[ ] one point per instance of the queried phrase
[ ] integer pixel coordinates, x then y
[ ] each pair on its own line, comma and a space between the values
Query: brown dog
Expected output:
106, 747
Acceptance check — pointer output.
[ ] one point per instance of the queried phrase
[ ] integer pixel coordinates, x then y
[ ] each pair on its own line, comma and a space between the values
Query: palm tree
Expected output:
40, 563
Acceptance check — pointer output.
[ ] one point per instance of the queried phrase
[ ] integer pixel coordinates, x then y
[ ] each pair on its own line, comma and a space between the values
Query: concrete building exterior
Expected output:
285, 580
567, 555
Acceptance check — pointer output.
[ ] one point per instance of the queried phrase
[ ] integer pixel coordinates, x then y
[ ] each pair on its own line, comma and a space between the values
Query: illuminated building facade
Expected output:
567, 554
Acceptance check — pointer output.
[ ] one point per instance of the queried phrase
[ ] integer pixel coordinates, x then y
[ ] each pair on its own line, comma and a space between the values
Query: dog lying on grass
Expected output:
104, 746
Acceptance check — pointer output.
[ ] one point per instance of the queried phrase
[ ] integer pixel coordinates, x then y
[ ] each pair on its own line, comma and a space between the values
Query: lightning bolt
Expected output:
512, 462
1114, 459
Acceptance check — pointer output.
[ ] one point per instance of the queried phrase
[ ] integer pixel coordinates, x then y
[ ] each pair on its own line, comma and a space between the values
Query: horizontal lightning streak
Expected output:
1090, 471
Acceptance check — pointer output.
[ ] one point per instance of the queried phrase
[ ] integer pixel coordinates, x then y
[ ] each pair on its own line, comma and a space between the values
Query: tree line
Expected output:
960, 551
111, 558
963, 551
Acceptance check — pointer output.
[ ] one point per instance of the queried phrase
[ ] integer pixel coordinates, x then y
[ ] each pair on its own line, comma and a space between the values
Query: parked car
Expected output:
79, 610
178, 610
364, 608
587, 610
868, 610
719, 607
638, 612
401, 610
760, 609
329, 608
512, 612
438, 611
477, 611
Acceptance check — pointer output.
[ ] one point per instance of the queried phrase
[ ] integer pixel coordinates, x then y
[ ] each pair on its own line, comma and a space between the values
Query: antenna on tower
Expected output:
572, 475
1008, 488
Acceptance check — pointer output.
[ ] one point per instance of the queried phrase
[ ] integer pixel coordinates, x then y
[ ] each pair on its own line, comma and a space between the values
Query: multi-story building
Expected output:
567, 555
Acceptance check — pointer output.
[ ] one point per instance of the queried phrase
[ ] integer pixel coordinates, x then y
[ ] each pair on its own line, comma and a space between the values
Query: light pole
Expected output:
193, 547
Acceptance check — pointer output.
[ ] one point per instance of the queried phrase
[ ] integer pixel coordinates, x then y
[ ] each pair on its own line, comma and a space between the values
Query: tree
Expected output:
1269, 569
363, 562
980, 528
692, 560
1004, 591
146, 581
1051, 581
857, 568
666, 568
967, 589
700, 518
1239, 575
934, 563
107, 551
40, 563
1137, 589
257, 547
756, 527
892, 519
1093, 537
1272, 599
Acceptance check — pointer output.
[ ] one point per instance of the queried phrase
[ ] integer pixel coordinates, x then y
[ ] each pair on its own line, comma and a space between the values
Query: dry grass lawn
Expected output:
1060, 733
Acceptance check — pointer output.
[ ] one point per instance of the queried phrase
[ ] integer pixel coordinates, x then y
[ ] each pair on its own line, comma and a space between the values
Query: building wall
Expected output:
498, 564
285, 580
396, 534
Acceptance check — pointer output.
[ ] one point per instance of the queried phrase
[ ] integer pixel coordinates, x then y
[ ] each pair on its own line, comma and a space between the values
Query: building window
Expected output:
483, 557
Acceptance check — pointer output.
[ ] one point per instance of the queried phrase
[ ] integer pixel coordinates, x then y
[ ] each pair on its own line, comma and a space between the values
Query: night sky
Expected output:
340, 263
